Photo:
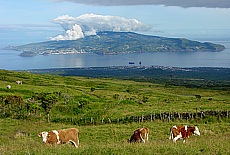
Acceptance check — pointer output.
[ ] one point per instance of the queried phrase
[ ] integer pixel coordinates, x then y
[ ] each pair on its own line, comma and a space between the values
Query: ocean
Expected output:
10, 60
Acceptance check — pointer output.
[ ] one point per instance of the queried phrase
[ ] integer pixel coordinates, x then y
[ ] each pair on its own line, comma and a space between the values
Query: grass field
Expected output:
112, 139
26, 108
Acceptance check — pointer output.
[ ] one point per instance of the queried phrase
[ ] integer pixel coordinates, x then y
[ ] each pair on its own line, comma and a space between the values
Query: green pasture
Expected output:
112, 139
47, 99
111, 98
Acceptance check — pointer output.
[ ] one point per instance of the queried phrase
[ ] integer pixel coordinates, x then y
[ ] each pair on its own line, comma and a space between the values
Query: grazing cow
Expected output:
183, 132
19, 82
61, 136
8, 86
140, 135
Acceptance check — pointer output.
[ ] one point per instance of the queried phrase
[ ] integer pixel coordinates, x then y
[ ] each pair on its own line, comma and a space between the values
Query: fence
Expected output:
165, 116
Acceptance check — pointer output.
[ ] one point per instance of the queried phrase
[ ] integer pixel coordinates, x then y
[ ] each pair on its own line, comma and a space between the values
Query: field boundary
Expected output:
210, 116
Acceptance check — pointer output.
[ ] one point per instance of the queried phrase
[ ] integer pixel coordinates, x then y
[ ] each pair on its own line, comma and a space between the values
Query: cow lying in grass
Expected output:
183, 132
61, 136
140, 135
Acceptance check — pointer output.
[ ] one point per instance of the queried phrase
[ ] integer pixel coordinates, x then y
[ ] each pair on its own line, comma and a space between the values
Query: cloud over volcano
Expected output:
90, 24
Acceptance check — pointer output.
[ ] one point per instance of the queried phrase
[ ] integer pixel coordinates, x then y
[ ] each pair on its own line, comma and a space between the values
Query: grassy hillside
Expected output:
78, 97
46, 102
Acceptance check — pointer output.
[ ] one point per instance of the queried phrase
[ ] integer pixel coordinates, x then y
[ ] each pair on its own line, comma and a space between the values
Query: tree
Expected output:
48, 100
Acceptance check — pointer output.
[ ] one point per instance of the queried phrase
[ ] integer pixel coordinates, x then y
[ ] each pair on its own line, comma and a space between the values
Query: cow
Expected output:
140, 135
61, 136
8, 86
19, 82
183, 132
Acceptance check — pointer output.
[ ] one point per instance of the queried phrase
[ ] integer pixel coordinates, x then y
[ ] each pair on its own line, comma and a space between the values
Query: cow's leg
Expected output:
185, 140
171, 135
176, 138
147, 136
74, 143
142, 139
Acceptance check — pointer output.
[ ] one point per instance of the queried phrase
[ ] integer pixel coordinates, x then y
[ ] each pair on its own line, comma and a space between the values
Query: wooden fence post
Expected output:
169, 116
196, 113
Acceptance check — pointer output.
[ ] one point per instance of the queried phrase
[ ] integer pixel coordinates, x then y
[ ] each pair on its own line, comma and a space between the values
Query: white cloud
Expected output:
90, 24
180, 3
26, 27
72, 34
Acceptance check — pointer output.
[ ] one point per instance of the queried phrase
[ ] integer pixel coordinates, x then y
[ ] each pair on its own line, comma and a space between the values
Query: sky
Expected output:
26, 21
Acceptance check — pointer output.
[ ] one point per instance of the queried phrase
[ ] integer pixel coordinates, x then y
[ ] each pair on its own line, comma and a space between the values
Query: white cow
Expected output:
19, 82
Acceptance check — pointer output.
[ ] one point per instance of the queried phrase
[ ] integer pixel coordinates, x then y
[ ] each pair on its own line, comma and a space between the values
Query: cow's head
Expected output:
44, 136
196, 131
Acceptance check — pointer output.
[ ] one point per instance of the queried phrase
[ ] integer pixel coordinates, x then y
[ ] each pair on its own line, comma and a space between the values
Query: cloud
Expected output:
90, 24
180, 3
72, 34
26, 27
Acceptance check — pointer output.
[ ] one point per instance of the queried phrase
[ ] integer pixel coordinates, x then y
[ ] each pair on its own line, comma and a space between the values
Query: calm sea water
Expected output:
10, 60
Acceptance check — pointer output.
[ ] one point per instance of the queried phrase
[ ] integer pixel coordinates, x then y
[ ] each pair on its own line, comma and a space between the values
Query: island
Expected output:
108, 42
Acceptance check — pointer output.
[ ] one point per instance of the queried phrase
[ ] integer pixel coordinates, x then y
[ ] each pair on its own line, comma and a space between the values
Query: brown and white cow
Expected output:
61, 136
140, 135
183, 132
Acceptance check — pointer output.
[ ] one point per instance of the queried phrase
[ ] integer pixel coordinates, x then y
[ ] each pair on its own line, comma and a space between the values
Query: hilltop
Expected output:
115, 43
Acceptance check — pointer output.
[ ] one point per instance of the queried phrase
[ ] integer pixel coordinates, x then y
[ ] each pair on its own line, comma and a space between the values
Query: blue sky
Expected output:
25, 21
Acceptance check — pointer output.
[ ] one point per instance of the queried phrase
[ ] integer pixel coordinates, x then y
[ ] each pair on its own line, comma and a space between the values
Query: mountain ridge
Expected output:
108, 42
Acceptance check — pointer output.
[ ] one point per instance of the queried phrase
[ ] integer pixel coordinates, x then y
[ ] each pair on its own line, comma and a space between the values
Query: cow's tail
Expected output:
78, 141
147, 136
